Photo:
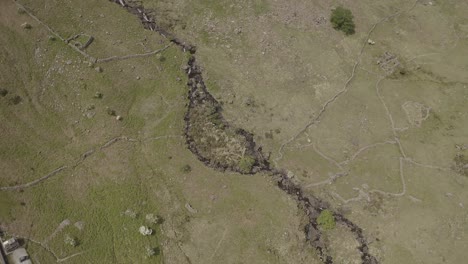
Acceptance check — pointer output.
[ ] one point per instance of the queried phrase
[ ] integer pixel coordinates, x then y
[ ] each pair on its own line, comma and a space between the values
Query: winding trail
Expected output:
345, 87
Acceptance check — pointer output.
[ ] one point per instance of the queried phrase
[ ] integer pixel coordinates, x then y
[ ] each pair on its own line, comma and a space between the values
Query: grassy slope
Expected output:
289, 66
50, 128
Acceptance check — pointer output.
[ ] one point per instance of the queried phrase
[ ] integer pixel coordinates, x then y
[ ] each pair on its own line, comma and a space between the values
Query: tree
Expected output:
342, 19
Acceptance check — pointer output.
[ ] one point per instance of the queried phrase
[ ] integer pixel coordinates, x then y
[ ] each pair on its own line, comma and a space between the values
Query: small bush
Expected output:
342, 19
326, 220
186, 168
111, 112
150, 251
15, 100
3, 92
246, 164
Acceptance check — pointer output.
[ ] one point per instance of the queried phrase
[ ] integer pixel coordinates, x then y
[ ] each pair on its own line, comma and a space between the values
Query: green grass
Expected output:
326, 220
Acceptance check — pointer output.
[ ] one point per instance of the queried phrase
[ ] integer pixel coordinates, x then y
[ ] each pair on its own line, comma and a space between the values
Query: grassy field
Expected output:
379, 143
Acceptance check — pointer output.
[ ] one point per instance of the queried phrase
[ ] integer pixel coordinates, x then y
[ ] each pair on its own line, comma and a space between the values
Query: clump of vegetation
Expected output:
150, 251
111, 112
246, 164
186, 168
461, 164
342, 19
71, 241
153, 219
160, 57
326, 220
15, 100
3, 92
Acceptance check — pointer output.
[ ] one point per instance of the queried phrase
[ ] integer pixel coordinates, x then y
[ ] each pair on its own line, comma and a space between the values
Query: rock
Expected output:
238, 30
190, 208
146, 231
138, 77
68, 62
370, 42
153, 219
119, 118
26, 25
52, 38
90, 115
98, 69
98, 95
130, 213
80, 225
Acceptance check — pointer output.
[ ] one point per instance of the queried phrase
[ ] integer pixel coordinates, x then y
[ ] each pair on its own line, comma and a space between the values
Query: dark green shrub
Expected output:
3, 92
342, 19
326, 220
110, 112
246, 164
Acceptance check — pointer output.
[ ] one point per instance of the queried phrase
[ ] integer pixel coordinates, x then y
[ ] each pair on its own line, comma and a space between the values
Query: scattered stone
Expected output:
71, 241
238, 31
179, 79
118, 118
138, 77
150, 251
153, 219
370, 42
130, 213
90, 115
249, 101
190, 208
146, 231
98, 95
68, 62
98, 69
110, 112
26, 25
80, 225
